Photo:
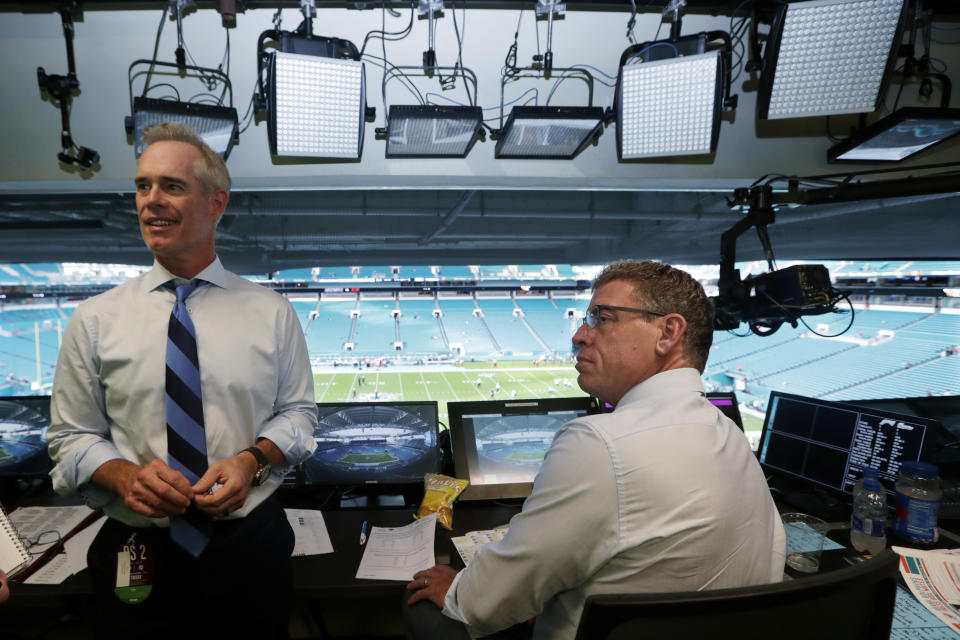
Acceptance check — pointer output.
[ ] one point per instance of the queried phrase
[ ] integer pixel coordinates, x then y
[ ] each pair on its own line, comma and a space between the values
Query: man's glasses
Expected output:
593, 319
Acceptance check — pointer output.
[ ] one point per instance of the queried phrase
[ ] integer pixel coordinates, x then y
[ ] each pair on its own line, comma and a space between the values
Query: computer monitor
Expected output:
23, 423
726, 401
827, 444
391, 443
498, 445
943, 409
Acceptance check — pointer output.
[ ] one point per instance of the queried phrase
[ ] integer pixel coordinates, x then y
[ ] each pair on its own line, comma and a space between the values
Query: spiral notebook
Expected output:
13, 555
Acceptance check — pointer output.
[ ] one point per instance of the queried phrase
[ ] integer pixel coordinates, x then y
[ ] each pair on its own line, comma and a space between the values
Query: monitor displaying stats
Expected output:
829, 443
498, 445
373, 444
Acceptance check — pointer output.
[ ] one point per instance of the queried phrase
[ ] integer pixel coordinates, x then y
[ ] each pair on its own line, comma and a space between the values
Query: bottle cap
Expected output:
870, 472
872, 484
919, 469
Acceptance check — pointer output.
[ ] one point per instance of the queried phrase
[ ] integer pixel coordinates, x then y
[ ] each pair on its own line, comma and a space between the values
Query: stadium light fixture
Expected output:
317, 106
432, 131
557, 133
670, 94
428, 130
315, 97
826, 57
216, 124
900, 135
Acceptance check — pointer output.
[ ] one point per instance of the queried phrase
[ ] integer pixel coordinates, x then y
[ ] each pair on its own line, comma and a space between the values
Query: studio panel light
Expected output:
216, 125
669, 107
432, 131
318, 106
828, 57
905, 132
557, 133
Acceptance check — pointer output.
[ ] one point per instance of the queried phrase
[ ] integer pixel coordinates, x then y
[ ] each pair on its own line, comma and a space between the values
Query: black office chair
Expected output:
853, 602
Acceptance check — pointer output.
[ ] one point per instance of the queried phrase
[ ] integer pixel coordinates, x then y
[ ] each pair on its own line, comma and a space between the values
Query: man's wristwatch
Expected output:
263, 466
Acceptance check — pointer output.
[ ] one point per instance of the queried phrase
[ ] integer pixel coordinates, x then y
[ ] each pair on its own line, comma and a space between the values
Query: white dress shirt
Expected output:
109, 390
663, 494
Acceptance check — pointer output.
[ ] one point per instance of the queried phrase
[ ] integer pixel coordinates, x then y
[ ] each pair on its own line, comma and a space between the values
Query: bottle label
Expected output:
916, 518
872, 528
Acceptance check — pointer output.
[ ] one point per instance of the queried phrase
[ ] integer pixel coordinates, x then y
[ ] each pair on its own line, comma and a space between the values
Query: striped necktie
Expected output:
186, 437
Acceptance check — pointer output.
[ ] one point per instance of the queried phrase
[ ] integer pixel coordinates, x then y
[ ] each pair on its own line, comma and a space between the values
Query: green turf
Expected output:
365, 458
529, 456
751, 422
385, 385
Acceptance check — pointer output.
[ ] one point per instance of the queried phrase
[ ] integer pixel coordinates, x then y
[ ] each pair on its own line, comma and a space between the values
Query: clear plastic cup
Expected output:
804, 541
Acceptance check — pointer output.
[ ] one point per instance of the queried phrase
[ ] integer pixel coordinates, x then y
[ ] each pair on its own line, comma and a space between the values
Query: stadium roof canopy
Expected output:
290, 213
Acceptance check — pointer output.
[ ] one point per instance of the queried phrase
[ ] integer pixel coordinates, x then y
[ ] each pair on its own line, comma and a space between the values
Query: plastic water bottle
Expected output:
868, 526
918, 503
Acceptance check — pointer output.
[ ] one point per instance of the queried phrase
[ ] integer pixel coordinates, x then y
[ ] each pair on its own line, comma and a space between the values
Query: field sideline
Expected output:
382, 384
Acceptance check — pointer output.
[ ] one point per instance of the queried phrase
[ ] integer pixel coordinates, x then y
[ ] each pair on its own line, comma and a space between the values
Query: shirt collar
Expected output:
214, 273
665, 383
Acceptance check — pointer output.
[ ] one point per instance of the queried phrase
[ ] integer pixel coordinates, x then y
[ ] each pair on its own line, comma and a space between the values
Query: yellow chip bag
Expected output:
439, 492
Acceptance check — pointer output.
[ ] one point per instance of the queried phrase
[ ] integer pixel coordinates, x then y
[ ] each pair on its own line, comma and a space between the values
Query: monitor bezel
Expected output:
736, 405
380, 487
925, 446
518, 406
38, 472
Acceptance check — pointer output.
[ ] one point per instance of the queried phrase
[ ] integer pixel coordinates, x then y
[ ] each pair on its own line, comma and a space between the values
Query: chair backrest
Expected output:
853, 602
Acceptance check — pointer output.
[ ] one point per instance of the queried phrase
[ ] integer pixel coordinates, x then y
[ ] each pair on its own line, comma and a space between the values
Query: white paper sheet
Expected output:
929, 581
71, 561
468, 545
310, 531
396, 553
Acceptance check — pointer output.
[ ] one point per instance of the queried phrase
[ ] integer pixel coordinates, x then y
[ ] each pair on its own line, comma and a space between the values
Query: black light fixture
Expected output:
549, 133
900, 135
315, 97
429, 130
432, 131
215, 124
827, 57
670, 94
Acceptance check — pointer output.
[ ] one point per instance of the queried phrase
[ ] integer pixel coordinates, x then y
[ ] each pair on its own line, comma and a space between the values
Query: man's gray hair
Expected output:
211, 170
665, 289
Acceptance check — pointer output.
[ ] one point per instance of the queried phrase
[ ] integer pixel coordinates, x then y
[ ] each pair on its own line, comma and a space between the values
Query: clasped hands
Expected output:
156, 490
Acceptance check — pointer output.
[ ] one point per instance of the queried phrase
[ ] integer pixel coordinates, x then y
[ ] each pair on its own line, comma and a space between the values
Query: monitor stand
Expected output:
394, 501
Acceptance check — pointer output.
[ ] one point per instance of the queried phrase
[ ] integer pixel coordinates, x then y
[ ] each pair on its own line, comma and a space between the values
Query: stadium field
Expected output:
449, 384
366, 458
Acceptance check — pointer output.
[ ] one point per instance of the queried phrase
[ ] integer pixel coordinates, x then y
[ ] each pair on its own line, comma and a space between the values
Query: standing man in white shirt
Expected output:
662, 494
110, 435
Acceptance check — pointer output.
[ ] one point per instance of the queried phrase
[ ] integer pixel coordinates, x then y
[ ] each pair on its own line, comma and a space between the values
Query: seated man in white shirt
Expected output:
662, 494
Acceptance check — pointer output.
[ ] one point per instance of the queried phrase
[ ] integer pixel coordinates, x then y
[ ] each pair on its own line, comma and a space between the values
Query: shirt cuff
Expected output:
69, 479
450, 606
295, 445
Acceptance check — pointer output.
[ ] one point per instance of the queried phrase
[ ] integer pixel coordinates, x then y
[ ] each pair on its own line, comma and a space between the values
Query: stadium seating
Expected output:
375, 328
508, 330
419, 330
464, 328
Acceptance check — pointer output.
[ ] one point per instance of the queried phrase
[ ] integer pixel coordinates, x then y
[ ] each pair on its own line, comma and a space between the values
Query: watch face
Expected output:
261, 476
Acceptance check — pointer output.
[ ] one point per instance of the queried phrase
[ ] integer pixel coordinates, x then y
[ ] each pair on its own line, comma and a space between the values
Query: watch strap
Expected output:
262, 464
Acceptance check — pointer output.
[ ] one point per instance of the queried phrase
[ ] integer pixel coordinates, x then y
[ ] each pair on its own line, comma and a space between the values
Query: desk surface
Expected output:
334, 573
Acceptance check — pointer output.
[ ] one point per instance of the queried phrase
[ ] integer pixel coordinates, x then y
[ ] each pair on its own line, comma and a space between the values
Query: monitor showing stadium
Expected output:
23, 423
726, 401
499, 445
827, 444
373, 444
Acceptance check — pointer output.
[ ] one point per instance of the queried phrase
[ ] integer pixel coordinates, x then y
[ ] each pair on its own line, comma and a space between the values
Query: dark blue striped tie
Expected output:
186, 437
